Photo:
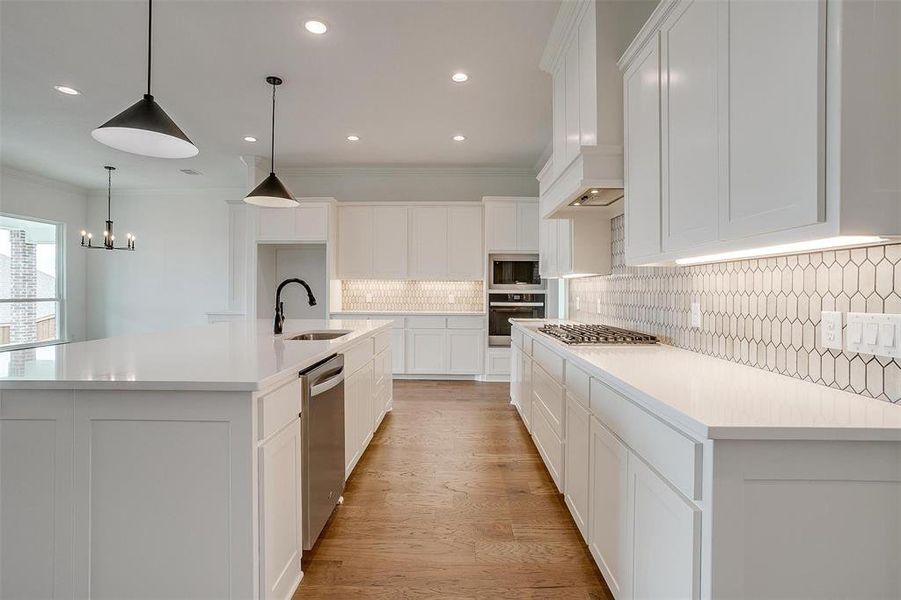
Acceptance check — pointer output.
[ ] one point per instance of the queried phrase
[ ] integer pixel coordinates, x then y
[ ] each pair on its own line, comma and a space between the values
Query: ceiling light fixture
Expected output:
272, 193
249, 138
353, 138
144, 127
64, 89
315, 27
460, 77
459, 138
109, 240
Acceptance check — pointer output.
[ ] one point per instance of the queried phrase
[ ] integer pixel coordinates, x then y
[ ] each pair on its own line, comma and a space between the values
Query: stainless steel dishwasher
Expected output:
322, 420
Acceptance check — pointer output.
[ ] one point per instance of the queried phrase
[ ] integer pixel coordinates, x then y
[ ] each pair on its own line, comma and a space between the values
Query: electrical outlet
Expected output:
597, 308
578, 303
368, 297
451, 299
831, 329
696, 315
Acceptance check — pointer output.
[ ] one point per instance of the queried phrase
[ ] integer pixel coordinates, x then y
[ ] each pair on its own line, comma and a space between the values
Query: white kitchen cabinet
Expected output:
465, 259
304, 223
642, 153
776, 116
382, 383
389, 247
577, 461
397, 351
547, 254
357, 414
355, 239
428, 242
609, 528
690, 169
526, 393
464, 351
665, 549
516, 377
511, 224
280, 512
426, 351
527, 226
500, 226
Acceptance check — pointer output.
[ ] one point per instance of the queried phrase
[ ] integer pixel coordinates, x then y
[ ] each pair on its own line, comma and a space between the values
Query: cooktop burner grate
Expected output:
596, 334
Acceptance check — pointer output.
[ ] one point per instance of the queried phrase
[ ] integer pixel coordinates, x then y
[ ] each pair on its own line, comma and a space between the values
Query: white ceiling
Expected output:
381, 72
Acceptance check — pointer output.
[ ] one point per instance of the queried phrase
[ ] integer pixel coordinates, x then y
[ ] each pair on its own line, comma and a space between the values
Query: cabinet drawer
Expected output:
550, 360
465, 323
357, 356
498, 361
382, 340
426, 322
550, 395
674, 455
577, 383
278, 408
549, 445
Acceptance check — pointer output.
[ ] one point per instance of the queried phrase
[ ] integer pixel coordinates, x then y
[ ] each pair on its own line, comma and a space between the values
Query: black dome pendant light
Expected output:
144, 127
272, 193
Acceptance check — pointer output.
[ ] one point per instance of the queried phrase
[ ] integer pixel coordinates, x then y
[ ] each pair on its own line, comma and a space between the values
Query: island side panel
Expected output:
806, 519
36, 494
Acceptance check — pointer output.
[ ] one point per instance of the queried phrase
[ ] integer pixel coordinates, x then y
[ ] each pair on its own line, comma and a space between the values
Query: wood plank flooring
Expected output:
452, 501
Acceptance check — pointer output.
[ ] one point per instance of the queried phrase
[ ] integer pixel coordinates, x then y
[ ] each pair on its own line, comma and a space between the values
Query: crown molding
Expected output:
406, 170
567, 21
215, 192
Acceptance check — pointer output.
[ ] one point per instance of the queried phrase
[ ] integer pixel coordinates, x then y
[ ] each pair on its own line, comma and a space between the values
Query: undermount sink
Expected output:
310, 336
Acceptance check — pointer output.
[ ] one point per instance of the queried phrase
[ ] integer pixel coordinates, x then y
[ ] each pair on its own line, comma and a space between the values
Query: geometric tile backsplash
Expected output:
412, 296
760, 312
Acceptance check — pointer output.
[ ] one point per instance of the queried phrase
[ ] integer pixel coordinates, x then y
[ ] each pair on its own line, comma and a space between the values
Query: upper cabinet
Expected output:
511, 224
745, 128
306, 223
410, 241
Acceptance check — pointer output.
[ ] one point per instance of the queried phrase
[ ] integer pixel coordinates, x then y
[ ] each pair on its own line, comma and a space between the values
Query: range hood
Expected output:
585, 171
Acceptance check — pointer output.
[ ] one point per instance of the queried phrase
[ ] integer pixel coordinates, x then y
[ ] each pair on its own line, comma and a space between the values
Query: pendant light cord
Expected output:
149, 40
272, 148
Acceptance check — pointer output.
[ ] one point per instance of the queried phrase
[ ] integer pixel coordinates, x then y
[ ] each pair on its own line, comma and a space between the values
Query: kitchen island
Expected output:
167, 465
693, 477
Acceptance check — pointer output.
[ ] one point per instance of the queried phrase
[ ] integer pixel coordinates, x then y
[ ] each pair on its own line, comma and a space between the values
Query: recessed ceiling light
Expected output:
64, 89
317, 27
459, 138
249, 138
460, 77
353, 138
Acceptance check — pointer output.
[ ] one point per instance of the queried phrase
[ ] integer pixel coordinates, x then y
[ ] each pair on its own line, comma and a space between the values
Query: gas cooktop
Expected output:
596, 334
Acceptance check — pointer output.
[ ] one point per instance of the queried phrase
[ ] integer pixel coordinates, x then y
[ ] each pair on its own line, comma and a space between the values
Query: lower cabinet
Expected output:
666, 538
464, 351
577, 460
357, 415
426, 351
382, 383
397, 351
444, 351
526, 394
280, 512
549, 445
608, 523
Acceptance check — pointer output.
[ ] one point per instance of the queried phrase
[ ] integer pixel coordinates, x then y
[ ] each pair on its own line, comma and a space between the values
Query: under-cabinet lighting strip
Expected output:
792, 248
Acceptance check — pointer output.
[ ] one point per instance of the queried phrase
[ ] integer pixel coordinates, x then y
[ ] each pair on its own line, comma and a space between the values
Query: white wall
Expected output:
275, 263
30, 195
177, 273
419, 184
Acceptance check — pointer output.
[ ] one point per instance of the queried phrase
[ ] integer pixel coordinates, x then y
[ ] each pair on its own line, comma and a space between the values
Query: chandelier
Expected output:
109, 240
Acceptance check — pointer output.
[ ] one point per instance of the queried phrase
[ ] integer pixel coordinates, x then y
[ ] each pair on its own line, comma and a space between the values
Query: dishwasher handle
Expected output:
327, 381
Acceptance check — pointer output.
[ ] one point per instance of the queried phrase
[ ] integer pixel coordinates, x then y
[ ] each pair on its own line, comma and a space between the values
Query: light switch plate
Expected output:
874, 333
696, 314
831, 330
578, 303
598, 306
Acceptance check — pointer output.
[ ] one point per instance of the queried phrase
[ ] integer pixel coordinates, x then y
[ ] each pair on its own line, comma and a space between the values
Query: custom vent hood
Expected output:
586, 166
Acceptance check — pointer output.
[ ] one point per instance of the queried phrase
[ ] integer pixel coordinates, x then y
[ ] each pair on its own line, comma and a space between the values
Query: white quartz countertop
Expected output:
718, 399
239, 356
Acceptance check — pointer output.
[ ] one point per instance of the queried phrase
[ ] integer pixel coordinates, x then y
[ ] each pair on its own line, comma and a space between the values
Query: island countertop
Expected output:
234, 356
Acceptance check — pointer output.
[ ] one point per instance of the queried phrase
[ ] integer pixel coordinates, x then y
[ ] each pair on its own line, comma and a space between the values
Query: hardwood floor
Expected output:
451, 500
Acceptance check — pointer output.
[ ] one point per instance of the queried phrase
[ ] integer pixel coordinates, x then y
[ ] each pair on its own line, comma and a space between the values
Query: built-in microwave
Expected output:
514, 272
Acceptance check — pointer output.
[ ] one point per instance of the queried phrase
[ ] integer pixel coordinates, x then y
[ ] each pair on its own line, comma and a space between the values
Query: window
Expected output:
31, 282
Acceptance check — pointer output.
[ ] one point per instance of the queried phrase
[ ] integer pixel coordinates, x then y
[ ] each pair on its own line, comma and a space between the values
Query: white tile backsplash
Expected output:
412, 295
